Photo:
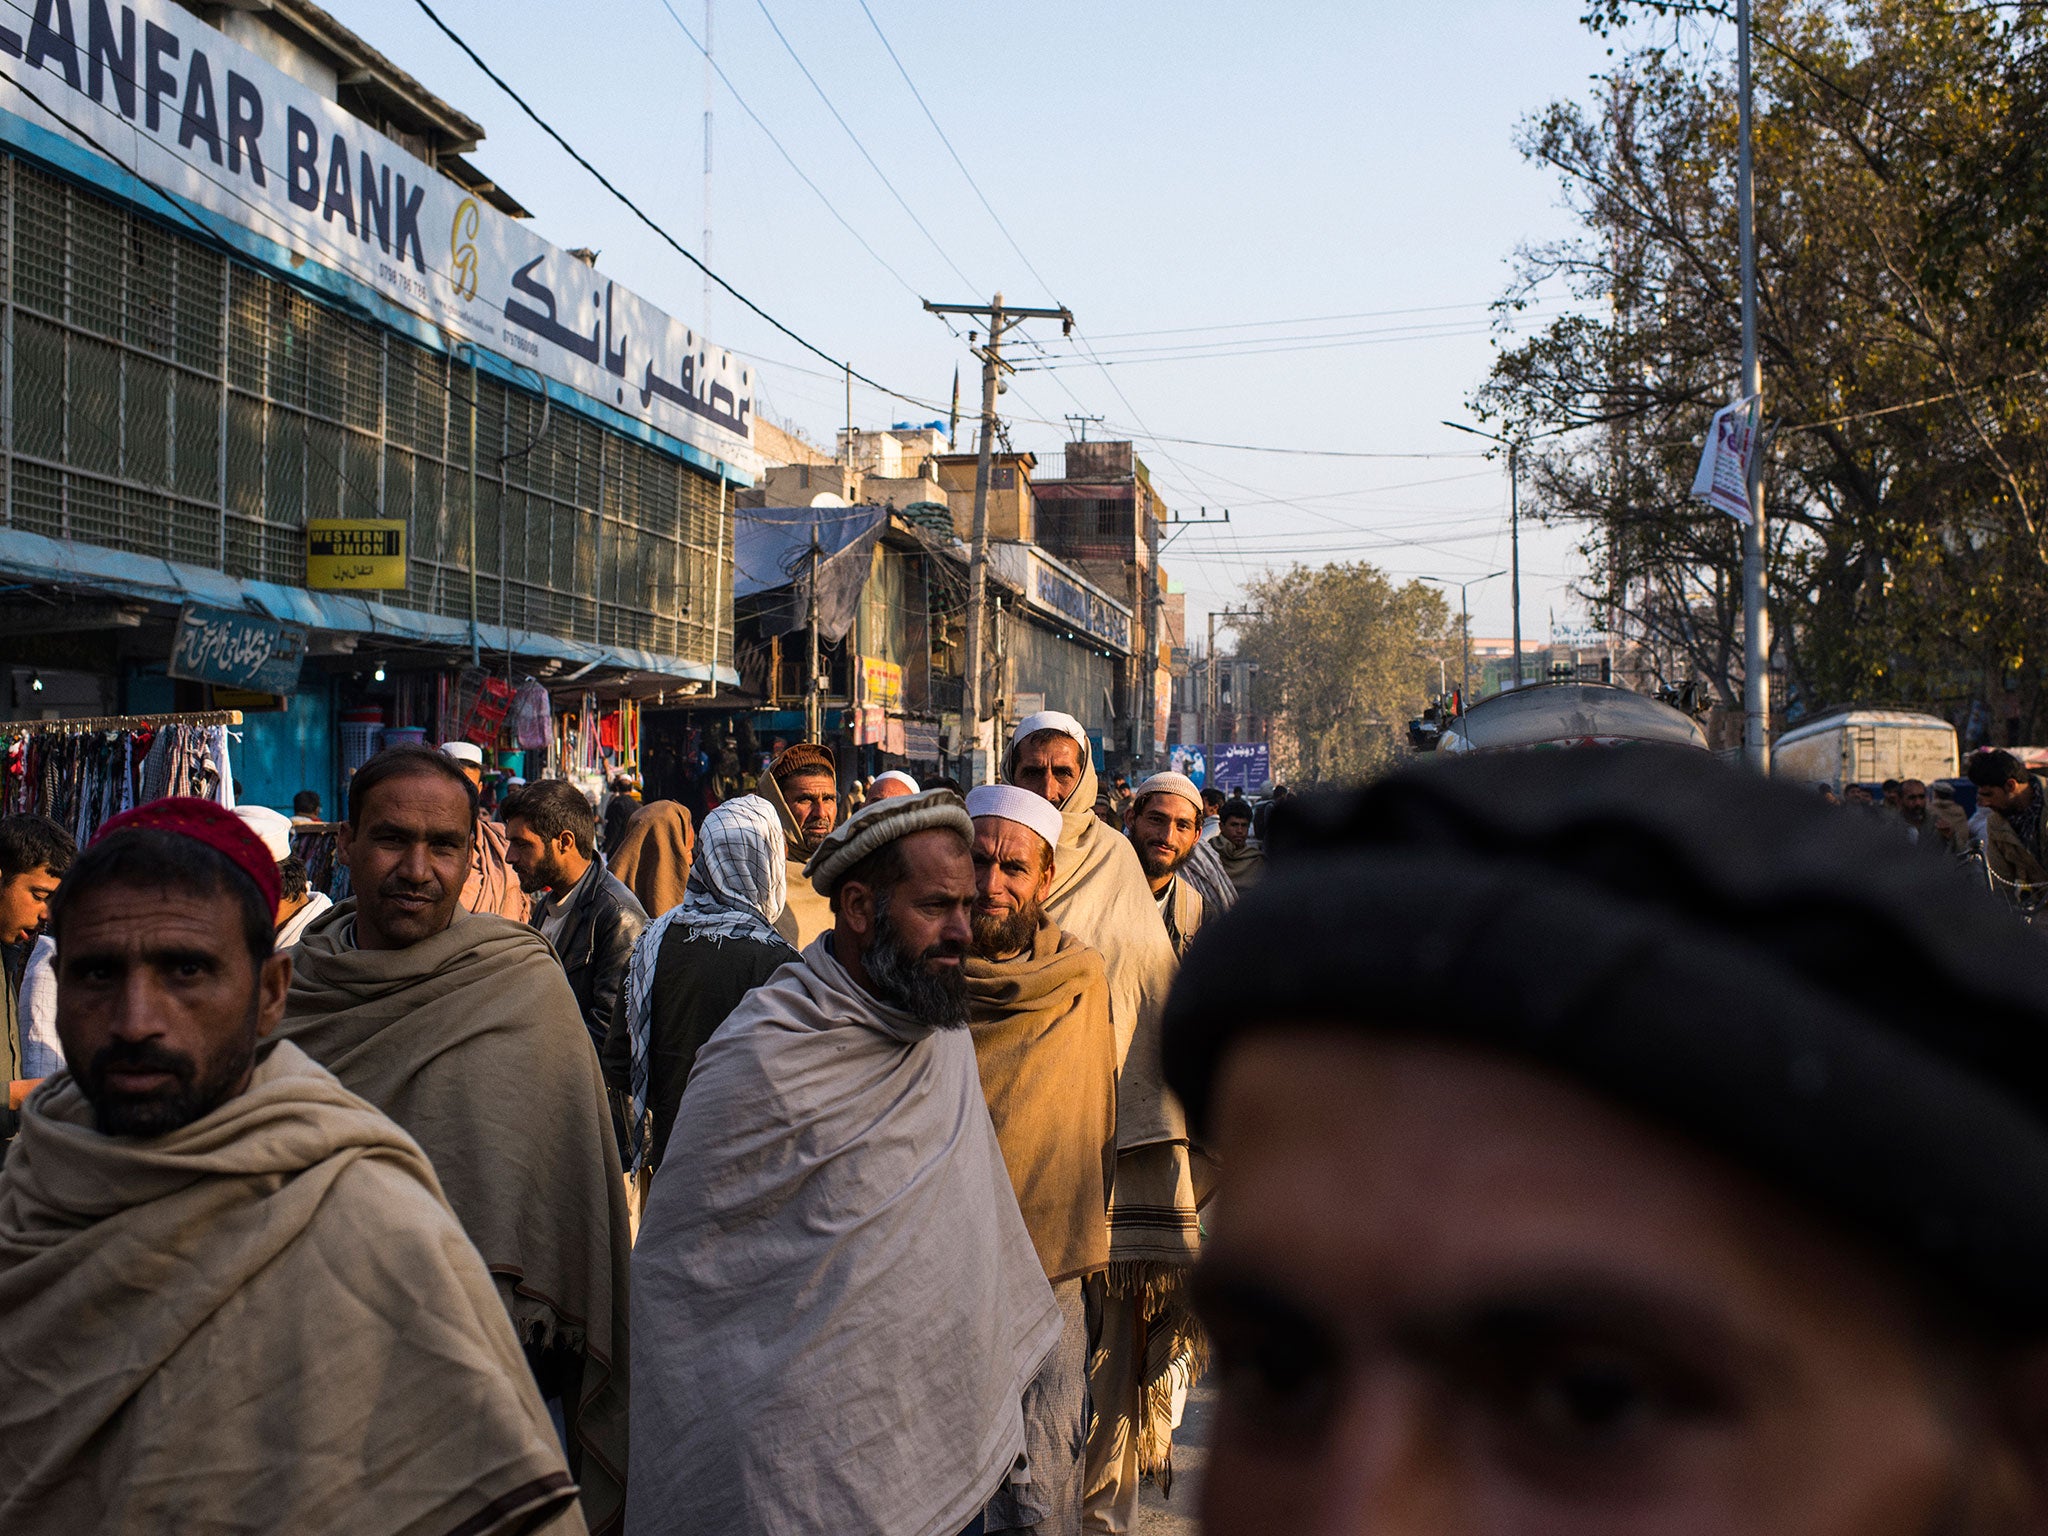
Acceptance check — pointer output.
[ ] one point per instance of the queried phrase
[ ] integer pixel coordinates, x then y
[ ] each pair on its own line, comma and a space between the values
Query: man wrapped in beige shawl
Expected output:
462, 1028
803, 786
232, 1297
1149, 1344
837, 1311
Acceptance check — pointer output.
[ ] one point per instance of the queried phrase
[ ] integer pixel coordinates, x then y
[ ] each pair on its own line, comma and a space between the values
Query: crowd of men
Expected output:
824, 1169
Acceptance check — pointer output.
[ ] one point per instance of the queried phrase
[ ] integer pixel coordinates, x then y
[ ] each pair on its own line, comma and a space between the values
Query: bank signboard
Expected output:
261, 154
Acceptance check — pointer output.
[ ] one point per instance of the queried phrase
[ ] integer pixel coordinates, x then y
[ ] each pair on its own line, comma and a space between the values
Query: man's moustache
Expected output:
141, 1056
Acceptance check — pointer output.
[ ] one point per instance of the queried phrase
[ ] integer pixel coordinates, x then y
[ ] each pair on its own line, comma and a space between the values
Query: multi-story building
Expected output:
277, 349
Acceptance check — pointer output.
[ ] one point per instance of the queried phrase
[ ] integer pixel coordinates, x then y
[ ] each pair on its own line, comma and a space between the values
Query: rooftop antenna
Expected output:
1078, 424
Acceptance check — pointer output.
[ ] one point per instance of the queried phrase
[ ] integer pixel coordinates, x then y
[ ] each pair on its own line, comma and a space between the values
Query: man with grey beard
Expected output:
844, 1308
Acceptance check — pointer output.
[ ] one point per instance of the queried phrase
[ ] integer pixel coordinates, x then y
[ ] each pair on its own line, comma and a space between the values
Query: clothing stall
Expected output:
80, 773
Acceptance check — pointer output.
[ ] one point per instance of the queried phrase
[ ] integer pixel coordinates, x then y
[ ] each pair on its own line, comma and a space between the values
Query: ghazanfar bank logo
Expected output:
462, 258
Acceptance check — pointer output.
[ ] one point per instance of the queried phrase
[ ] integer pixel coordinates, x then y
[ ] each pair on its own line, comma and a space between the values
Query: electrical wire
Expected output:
839, 118
640, 214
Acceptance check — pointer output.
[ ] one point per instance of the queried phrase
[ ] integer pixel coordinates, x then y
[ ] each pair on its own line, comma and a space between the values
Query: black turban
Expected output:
1790, 984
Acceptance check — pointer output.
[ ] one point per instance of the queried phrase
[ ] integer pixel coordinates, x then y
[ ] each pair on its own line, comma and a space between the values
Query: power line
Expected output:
839, 118
638, 213
962, 164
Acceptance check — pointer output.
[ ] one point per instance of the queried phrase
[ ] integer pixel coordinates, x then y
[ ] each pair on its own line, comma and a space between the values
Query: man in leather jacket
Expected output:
590, 917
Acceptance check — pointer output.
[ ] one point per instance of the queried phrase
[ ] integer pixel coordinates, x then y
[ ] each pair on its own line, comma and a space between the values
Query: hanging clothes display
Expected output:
80, 773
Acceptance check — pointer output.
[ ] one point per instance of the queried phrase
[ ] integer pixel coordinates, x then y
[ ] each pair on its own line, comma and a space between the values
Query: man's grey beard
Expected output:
996, 936
937, 999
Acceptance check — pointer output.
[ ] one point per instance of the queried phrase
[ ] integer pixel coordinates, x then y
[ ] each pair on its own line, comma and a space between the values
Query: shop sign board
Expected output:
238, 650
1079, 605
195, 113
881, 682
1245, 766
351, 554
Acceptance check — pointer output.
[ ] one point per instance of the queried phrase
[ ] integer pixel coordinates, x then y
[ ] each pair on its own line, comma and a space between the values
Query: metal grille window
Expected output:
165, 399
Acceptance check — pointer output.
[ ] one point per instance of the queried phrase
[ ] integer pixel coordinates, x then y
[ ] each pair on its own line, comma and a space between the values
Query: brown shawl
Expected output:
1100, 896
268, 1321
493, 884
472, 1041
1047, 1055
653, 856
808, 914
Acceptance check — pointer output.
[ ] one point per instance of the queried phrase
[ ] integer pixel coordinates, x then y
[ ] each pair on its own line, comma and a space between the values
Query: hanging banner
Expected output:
237, 650
204, 118
1723, 477
346, 554
1243, 767
881, 683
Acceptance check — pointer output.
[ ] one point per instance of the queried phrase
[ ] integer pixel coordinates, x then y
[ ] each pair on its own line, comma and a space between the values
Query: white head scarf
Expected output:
739, 884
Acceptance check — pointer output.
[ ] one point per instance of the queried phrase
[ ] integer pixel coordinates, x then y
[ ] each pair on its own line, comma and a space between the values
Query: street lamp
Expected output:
1514, 449
1465, 621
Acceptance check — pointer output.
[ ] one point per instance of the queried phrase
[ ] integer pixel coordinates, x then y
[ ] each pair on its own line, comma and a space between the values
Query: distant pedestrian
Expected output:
1166, 821
802, 784
693, 966
1244, 861
619, 807
306, 806
653, 856
891, 784
34, 854
2015, 831
492, 884
298, 905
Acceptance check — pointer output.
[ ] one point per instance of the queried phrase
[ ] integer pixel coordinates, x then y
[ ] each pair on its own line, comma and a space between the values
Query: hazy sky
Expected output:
1179, 174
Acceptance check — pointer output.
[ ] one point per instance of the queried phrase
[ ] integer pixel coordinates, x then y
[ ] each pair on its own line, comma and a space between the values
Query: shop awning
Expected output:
34, 557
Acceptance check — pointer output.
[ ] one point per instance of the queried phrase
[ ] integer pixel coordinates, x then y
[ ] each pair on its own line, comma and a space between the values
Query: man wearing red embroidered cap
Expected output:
232, 1296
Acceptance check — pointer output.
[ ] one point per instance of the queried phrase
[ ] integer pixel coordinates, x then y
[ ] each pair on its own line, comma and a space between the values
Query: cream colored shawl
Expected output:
808, 913
838, 1312
1047, 1055
472, 1041
268, 1321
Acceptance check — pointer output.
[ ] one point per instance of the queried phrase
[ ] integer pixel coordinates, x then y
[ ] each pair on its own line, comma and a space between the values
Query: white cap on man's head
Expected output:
464, 752
274, 830
1051, 720
1018, 805
1170, 783
903, 783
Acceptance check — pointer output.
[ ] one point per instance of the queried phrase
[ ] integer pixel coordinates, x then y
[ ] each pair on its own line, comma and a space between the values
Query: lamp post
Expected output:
1465, 620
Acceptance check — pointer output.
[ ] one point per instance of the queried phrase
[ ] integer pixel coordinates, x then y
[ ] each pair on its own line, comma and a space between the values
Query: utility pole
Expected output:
1228, 615
814, 687
1000, 320
1464, 620
1756, 618
1514, 447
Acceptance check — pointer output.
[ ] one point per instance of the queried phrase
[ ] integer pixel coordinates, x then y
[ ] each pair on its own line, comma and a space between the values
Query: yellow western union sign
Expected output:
351, 553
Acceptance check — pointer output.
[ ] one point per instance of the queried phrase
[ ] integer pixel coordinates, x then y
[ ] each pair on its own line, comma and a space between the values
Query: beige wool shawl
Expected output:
267, 1321
1047, 1055
471, 1040
808, 913
839, 1310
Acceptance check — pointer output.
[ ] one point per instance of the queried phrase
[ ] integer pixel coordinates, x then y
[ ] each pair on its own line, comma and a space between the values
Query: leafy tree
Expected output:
1351, 658
1902, 210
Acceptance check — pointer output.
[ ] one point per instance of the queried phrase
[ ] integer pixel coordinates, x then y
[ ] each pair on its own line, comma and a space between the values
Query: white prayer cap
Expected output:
1050, 720
1018, 805
1171, 784
902, 782
464, 752
274, 830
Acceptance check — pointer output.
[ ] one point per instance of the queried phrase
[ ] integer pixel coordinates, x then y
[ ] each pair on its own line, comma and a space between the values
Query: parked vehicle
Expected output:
1867, 746
1547, 716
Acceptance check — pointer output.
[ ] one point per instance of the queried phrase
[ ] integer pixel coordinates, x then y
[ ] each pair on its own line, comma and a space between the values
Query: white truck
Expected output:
1867, 746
